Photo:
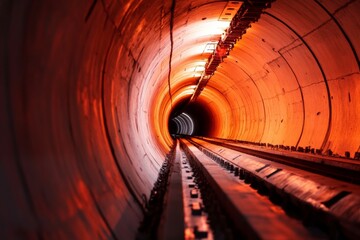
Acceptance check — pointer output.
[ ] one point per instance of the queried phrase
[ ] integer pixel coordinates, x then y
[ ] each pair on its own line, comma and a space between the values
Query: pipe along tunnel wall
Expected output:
85, 103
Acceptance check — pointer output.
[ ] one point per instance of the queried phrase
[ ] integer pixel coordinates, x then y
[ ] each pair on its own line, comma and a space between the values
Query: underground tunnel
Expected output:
95, 95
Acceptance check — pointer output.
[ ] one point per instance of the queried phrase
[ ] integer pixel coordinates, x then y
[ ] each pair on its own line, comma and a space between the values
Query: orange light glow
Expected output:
88, 87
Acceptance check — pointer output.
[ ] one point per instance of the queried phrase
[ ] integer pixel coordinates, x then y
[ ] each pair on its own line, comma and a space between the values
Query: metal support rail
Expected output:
334, 210
343, 170
175, 209
248, 214
248, 13
183, 214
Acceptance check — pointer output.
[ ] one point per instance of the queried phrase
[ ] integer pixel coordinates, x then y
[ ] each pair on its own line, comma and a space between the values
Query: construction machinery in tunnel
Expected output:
88, 89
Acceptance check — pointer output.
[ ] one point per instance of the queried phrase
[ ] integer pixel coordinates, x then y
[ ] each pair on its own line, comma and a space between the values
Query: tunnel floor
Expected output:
216, 189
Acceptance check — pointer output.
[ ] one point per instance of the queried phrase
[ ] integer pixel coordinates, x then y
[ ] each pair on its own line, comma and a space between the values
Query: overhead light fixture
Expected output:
199, 68
210, 47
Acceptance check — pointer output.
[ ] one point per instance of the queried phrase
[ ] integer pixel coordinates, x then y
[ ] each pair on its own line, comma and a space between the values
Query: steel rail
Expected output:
318, 165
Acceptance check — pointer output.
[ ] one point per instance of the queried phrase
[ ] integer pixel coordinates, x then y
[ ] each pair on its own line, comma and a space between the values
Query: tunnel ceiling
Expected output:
283, 83
89, 86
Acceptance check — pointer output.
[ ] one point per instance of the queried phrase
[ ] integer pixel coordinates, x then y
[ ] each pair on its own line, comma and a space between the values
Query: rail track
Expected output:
213, 192
338, 168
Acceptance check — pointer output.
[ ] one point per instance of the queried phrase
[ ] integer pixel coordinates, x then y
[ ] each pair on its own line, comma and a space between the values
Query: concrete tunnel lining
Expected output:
85, 103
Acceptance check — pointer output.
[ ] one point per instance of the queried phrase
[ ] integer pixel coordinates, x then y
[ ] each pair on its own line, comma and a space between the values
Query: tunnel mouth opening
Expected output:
190, 119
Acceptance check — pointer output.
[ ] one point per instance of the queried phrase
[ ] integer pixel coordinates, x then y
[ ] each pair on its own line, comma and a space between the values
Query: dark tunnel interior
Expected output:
89, 88
201, 118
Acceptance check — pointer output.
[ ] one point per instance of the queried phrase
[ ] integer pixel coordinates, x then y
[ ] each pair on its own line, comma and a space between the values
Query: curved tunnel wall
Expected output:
85, 99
